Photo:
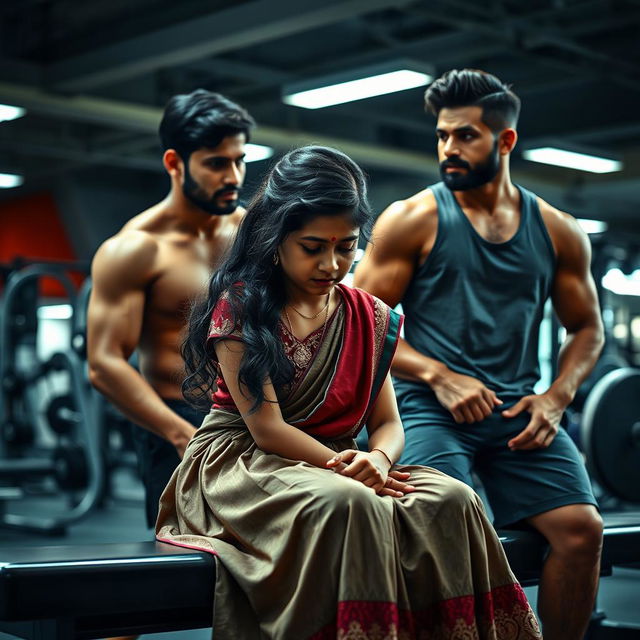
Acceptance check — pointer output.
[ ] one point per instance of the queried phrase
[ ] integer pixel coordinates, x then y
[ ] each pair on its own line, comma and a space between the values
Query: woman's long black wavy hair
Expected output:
305, 183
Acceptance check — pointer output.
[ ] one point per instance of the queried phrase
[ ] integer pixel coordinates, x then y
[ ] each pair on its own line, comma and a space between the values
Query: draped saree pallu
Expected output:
304, 553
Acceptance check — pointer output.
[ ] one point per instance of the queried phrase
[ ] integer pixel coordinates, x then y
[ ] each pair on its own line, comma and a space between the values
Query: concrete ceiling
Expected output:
95, 76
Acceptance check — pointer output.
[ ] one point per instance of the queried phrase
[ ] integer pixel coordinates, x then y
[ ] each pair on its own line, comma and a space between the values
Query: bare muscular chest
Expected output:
183, 272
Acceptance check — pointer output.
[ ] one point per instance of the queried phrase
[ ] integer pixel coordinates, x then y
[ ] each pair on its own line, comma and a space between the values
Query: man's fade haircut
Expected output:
201, 119
472, 87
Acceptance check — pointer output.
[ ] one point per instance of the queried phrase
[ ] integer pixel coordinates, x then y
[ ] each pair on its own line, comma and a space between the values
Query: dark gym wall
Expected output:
97, 202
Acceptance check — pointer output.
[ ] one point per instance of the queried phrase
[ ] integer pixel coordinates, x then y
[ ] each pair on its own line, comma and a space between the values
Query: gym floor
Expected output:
122, 520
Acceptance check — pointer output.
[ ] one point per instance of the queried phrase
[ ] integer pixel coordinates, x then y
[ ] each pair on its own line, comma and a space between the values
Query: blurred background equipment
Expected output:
46, 415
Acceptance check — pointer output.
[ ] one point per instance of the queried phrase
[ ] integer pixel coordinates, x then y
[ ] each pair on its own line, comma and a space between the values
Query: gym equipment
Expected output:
61, 414
79, 319
18, 334
609, 361
76, 461
610, 433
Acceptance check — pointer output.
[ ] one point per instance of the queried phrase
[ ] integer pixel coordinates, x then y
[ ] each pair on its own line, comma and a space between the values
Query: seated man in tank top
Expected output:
473, 260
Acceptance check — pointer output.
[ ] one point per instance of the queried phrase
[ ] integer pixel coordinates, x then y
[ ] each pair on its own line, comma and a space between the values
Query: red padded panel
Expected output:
31, 228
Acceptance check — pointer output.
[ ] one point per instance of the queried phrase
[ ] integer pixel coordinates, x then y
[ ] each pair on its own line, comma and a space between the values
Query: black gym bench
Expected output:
97, 591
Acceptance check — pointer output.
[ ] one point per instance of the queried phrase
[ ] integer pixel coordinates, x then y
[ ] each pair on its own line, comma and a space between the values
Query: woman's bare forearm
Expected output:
290, 442
389, 438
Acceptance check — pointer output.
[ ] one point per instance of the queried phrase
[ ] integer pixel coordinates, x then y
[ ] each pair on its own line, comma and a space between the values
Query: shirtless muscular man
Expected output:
146, 275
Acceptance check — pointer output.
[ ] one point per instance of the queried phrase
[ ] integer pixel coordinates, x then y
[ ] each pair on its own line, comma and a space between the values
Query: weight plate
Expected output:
608, 362
61, 415
610, 433
71, 467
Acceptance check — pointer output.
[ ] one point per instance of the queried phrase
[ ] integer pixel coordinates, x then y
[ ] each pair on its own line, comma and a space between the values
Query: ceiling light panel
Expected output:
256, 152
10, 180
592, 226
11, 112
349, 91
572, 160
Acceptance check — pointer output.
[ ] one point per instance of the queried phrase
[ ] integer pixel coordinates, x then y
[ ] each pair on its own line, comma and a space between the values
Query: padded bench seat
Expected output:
96, 591
102, 590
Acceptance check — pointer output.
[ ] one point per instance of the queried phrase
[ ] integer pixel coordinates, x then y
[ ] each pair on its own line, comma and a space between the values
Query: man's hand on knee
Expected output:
467, 399
546, 413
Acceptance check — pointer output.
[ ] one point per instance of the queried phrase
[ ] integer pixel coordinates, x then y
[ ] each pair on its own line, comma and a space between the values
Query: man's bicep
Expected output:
574, 295
121, 271
116, 306
386, 277
389, 262
575, 300
114, 323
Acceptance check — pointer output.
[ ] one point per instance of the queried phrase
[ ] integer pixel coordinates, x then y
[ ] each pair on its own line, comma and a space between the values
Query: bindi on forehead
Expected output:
330, 239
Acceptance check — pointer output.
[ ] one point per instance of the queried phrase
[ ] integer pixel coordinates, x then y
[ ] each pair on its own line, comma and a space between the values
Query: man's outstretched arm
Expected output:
575, 302
121, 270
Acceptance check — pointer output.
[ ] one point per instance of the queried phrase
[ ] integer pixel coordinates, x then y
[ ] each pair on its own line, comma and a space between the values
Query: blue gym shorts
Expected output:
518, 484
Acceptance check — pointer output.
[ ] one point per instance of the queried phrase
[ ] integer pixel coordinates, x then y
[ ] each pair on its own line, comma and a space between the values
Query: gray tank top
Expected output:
475, 305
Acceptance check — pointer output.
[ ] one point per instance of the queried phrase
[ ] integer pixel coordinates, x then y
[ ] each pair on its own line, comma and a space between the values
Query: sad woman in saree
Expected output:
314, 539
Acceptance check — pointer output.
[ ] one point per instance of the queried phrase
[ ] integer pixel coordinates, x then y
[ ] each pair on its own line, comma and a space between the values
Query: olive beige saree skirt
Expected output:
304, 553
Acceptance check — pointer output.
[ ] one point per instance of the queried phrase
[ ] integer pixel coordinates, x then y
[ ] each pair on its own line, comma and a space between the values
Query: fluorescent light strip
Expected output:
10, 180
572, 160
623, 285
592, 226
10, 112
256, 152
358, 89
55, 312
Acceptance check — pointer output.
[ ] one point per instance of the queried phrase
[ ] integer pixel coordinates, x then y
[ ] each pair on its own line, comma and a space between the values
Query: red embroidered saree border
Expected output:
502, 613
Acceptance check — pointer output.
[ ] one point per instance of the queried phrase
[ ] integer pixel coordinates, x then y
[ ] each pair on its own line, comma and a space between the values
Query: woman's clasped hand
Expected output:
372, 469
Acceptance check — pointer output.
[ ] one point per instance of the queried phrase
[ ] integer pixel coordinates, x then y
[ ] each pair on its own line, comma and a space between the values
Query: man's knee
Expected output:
584, 535
578, 533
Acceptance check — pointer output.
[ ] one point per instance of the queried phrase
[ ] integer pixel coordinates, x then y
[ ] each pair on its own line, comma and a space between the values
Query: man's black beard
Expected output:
473, 178
194, 192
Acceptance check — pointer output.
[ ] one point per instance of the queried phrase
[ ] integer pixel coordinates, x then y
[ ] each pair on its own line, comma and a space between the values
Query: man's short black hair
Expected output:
201, 119
472, 87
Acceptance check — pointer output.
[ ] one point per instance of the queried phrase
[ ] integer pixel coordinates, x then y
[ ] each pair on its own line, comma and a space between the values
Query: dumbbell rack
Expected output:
23, 468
